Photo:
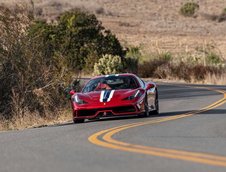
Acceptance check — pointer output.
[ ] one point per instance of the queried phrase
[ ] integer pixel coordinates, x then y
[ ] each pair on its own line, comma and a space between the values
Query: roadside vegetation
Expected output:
108, 64
189, 9
198, 67
39, 59
219, 18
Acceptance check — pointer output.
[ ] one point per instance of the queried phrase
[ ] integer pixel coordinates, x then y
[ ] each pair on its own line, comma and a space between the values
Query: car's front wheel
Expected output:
146, 112
156, 111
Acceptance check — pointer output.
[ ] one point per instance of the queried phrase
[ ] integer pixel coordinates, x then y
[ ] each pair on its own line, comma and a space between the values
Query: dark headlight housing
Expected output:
138, 93
78, 100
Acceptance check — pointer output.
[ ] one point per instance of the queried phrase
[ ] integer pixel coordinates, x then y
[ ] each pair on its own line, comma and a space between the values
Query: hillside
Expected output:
155, 25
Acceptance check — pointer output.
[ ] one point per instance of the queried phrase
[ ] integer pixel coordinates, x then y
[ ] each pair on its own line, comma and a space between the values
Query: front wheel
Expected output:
156, 111
146, 112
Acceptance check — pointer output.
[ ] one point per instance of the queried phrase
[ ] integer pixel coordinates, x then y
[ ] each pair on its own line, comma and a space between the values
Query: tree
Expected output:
78, 36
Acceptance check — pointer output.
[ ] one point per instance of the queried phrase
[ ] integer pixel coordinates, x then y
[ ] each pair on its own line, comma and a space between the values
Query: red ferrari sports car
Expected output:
114, 95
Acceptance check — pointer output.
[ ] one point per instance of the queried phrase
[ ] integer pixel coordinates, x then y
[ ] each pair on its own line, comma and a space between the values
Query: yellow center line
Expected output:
104, 139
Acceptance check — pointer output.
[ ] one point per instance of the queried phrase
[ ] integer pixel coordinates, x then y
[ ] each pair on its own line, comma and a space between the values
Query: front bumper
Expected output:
91, 113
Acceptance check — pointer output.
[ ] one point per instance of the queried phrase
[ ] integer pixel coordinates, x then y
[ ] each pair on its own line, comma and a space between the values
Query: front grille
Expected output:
124, 109
86, 112
116, 110
106, 114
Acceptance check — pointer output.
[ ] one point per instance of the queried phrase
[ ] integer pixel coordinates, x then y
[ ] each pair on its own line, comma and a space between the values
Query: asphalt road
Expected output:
182, 138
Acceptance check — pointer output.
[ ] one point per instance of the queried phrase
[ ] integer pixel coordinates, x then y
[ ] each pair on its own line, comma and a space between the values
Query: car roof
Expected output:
120, 74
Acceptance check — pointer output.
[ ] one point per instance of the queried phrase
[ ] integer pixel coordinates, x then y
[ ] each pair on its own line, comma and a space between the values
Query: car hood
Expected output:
106, 95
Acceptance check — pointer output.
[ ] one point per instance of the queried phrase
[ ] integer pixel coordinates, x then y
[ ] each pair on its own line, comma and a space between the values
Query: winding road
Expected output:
188, 135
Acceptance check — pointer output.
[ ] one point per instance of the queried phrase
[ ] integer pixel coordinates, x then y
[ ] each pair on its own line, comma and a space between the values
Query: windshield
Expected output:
111, 83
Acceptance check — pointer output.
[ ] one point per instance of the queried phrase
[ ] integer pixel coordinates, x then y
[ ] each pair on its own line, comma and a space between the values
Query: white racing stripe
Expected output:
102, 96
111, 95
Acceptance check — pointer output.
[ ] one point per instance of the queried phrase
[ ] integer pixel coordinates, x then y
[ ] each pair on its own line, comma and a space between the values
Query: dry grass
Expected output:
50, 9
34, 120
216, 80
31, 89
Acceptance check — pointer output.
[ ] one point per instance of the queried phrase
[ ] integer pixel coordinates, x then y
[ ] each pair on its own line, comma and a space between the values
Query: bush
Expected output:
77, 35
200, 72
181, 71
133, 56
166, 56
131, 65
149, 68
189, 9
108, 64
32, 75
209, 56
213, 58
165, 69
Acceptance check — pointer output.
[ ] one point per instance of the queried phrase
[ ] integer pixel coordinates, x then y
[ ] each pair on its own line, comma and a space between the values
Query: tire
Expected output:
146, 113
77, 121
156, 111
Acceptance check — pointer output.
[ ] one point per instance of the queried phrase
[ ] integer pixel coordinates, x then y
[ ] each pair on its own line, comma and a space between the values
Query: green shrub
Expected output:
133, 52
131, 65
213, 59
133, 56
209, 56
166, 56
77, 35
189, 9
108, 64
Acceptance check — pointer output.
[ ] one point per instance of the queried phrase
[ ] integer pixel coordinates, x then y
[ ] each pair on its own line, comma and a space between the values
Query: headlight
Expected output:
78, 100
133, 96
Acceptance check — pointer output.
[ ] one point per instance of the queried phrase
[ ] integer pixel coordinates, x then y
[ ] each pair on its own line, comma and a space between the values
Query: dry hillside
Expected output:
156, 25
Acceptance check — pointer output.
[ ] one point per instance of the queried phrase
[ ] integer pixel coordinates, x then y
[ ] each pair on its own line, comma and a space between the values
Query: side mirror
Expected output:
68, 93
150, 86
72, 92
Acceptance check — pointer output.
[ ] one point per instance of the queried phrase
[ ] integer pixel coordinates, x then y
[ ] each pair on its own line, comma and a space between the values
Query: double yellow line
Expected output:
104, 139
